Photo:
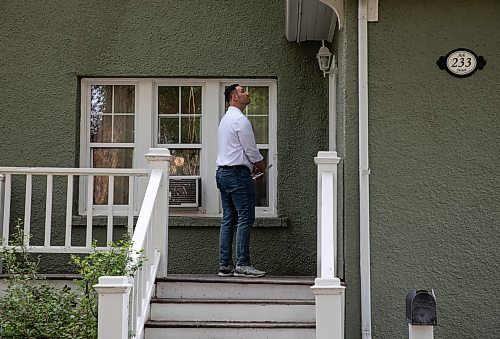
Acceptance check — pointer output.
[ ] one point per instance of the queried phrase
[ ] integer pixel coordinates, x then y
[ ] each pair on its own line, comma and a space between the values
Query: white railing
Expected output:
329, 293
84, 175
150, 236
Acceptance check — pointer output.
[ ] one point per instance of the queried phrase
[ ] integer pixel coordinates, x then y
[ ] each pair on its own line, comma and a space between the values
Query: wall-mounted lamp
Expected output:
324, 57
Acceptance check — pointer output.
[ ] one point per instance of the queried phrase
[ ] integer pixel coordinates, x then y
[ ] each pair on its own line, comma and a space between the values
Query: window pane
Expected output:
111, 158
185, 162
100, 128
191, 99
259, 103
260, 128
100, 103
121, 191
168, 99
261, 185
124, 99
169, 131
101, 97
123, 129
191, 131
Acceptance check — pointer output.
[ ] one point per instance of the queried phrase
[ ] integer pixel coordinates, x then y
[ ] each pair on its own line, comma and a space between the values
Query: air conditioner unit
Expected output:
184, 191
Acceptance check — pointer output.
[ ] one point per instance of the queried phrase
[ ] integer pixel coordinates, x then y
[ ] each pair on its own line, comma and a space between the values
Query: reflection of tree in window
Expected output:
112, 121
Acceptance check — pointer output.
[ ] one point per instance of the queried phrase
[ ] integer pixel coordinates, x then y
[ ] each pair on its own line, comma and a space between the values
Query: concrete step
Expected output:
232, 310
214, 287
208, 306
229, 330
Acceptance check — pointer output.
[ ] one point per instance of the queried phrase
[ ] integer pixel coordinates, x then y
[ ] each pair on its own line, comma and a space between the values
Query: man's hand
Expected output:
261, 166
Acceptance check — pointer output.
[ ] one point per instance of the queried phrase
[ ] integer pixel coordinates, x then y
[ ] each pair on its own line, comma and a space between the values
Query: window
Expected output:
123, 118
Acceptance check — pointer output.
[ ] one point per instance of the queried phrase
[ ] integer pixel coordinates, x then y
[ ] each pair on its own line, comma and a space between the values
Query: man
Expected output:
237, 158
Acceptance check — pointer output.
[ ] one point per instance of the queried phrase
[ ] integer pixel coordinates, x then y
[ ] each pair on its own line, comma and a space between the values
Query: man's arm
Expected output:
247, 140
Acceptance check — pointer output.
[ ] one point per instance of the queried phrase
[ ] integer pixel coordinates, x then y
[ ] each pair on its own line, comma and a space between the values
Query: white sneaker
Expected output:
248, 271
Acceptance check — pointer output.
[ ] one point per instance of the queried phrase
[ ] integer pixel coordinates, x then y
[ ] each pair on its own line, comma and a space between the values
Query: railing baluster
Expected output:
6, 208
111, 199
134, 303
69, 210
147, 265
27, 210
90, 203
138, 286
130, 224
48, 210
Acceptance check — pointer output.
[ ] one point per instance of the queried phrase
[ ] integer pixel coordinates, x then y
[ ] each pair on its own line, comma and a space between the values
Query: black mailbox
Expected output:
421, 308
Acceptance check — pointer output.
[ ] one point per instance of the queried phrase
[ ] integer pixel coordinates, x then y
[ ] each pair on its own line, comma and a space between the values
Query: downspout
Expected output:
364, 171
299, 21
332, 106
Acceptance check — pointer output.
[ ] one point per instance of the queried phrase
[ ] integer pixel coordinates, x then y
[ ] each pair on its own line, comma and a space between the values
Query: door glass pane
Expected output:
168, 99
124, 99
191, 99
260, 128
185, 162
111, 158
262, 184
191, 130
169, 131
123, 128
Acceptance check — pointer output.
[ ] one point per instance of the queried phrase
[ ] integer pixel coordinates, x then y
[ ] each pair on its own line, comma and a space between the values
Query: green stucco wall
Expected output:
434, 183
434, 139
46, 47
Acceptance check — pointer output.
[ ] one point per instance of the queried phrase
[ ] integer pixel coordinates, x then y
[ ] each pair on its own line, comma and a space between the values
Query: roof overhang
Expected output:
312, 19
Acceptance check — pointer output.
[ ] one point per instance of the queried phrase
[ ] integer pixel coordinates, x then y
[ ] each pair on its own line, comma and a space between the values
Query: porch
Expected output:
150, 234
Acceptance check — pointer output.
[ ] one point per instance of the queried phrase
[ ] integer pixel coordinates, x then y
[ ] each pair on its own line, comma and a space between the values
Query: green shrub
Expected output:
32, 309
115, 262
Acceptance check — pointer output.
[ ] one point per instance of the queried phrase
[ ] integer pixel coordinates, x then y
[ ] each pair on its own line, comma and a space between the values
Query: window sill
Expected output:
183, 221
197, 221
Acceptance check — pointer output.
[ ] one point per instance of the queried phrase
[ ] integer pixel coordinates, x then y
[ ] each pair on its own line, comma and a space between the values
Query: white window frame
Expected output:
146, 126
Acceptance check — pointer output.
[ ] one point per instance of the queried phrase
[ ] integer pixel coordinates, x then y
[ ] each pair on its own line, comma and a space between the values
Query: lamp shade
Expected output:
324, 56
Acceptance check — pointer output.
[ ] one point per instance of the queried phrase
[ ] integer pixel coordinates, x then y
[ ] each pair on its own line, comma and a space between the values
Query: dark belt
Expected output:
236, 167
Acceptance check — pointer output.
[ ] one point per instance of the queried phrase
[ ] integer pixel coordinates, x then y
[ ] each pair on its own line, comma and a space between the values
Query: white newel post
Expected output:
160, 158
329, 293
113, 307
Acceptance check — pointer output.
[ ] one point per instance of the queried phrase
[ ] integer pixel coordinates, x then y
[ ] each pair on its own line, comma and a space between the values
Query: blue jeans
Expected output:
238, 205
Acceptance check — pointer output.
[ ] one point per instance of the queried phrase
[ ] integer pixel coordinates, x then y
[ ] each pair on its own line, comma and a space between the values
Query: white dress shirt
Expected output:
236, 141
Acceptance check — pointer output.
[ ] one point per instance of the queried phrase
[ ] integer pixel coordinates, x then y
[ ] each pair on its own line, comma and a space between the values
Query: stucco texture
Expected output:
434, 183
47, 47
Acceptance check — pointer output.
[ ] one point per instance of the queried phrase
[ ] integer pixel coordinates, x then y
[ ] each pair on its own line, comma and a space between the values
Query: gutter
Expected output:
364, 171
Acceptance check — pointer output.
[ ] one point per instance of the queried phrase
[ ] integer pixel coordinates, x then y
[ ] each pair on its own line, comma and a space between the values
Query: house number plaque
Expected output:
461, 62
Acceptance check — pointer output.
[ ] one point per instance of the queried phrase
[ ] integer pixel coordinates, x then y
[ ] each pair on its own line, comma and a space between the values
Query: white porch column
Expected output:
113, 307
329, 293
160, 158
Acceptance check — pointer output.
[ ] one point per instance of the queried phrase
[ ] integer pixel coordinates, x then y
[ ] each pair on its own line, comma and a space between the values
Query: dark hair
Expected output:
229, 90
